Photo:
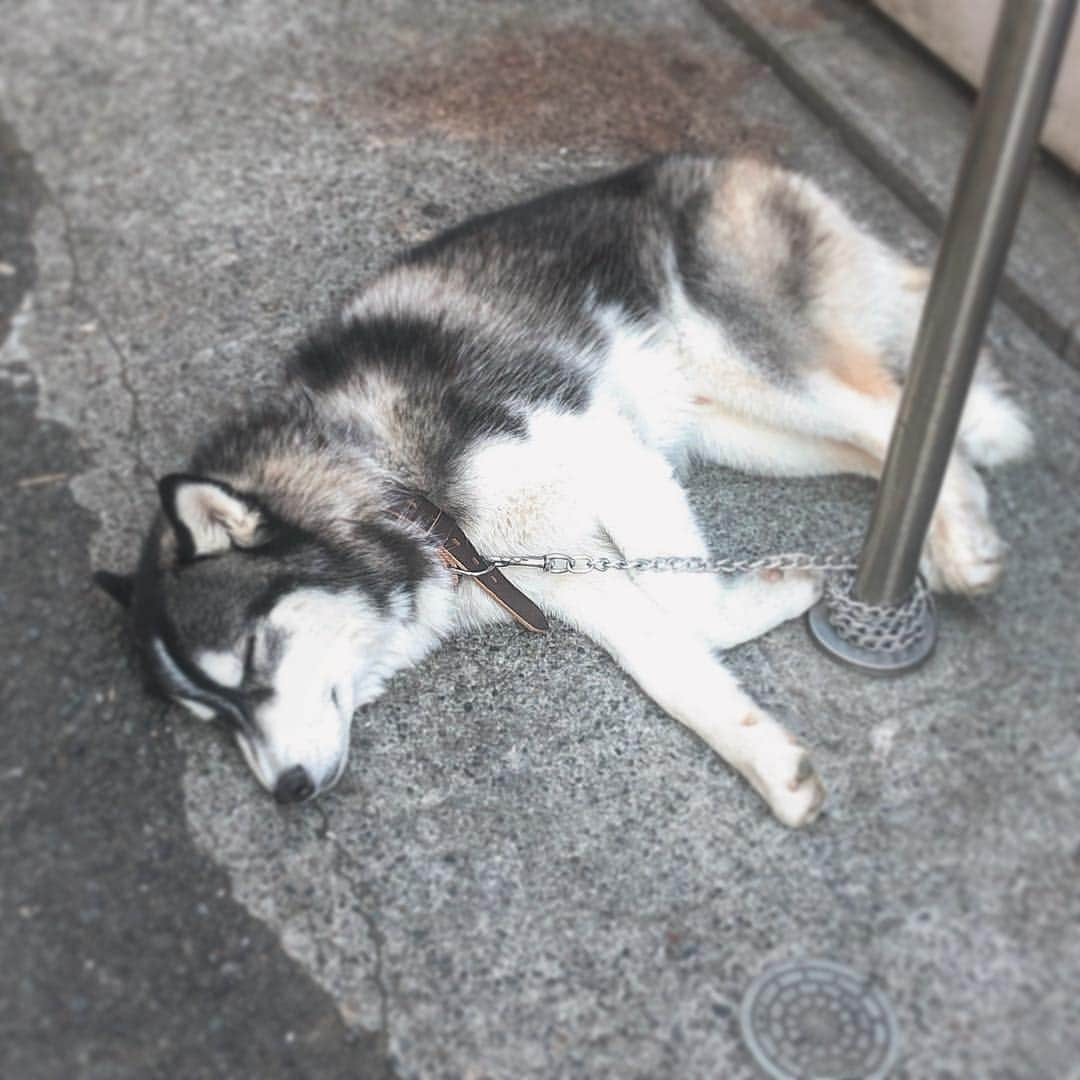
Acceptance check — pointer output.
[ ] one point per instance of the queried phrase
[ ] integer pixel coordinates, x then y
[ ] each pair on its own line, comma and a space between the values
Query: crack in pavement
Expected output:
345, 864
342, 861
79, 297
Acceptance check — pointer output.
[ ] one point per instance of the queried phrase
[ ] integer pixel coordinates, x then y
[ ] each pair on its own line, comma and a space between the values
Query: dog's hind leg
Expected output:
841, 311
677, 669
993, 430
834, 415
963, 551
836, 425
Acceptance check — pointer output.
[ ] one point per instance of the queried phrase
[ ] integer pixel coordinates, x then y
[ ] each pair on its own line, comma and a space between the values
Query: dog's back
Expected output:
742, 277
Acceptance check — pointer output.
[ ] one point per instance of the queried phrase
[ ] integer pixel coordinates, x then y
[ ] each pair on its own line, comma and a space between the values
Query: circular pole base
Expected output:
879, 662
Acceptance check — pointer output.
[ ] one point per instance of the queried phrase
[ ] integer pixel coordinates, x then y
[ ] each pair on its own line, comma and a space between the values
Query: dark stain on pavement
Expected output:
124, 954
20, 196
576, 89
793, 14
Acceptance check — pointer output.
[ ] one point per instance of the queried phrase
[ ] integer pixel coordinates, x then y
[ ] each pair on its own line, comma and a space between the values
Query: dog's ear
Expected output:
208, 516
120, 587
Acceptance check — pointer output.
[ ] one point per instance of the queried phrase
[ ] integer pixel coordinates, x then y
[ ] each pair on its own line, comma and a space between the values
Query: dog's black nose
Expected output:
293, 785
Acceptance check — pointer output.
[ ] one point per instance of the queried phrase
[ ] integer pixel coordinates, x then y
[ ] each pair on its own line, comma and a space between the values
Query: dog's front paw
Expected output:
963, 559
784, 776
801, 794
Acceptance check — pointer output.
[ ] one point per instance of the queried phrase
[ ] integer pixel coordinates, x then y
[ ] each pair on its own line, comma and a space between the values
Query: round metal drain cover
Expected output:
815, 1020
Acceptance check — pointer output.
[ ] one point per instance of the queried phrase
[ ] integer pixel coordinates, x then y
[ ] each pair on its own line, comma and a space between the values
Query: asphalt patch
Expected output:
123, 951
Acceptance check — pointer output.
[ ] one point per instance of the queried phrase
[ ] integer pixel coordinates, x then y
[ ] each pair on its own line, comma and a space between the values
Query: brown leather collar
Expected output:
457, 551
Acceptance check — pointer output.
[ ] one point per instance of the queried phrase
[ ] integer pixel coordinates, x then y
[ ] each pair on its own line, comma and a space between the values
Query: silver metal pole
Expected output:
1019, 78
1017, 84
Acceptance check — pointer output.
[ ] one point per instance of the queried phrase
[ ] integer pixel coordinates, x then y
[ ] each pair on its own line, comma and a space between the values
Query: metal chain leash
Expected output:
876, 627
557, 563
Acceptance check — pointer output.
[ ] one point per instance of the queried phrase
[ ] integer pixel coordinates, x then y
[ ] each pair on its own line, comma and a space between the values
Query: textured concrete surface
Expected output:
570, 885
908, 117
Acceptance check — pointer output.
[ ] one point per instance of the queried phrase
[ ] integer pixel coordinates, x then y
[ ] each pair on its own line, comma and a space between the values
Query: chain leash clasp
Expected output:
556, 563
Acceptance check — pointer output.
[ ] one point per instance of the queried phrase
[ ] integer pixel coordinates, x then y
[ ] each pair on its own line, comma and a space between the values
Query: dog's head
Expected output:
276, 610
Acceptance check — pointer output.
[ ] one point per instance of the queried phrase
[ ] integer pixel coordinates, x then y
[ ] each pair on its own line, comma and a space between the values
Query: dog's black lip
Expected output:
337, 774
233, 713
249, 658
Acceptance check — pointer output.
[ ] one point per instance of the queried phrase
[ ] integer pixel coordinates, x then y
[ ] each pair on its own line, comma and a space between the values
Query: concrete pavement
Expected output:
573, 886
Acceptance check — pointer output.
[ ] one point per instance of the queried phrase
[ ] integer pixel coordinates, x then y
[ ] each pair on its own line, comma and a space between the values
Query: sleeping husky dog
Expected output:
537, 380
